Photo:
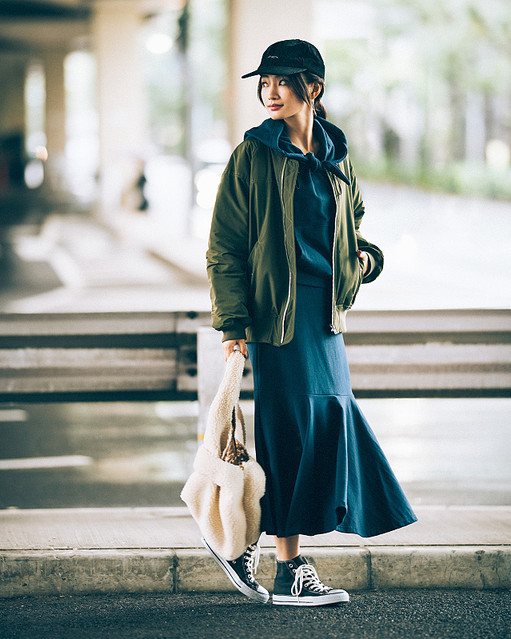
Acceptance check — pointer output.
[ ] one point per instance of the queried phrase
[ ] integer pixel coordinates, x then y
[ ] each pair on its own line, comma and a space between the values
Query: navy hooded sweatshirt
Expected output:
314, 202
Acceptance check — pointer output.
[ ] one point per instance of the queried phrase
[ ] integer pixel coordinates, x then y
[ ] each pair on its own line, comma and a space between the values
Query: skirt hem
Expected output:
348, 531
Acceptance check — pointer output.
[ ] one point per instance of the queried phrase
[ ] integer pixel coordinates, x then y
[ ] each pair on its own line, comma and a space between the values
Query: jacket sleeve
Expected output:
375, 253
227, 252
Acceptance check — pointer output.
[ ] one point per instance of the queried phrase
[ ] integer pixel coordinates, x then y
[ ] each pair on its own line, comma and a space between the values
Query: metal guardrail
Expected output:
153, 356
99, 356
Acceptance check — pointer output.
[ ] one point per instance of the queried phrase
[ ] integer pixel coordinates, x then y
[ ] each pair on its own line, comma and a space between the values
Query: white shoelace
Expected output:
307, 577
251, 559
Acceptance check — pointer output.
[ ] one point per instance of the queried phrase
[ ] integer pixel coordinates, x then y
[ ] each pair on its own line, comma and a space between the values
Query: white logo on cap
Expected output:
276, 57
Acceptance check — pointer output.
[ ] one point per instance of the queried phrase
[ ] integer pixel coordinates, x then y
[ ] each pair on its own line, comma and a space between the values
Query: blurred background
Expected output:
116, 120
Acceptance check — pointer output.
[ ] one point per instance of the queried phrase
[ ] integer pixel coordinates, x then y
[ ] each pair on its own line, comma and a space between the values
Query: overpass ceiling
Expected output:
40, 9
31, 25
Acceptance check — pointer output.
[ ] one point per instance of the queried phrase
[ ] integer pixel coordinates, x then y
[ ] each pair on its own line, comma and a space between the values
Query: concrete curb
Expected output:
188, 570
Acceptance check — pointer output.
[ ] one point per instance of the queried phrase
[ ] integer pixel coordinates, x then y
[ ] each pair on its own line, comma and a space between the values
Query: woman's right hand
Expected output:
231, 343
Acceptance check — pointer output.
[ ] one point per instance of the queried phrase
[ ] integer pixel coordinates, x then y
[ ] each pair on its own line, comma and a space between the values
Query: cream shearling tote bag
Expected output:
224, 490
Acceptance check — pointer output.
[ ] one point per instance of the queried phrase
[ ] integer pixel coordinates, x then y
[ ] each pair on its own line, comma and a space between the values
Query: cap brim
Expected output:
273, 71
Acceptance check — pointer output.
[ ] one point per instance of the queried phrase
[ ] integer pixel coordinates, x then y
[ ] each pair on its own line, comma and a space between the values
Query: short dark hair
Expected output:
299, 83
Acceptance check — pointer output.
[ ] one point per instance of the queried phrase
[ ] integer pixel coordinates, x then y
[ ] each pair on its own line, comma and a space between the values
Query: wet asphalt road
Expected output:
451, 451
394, 614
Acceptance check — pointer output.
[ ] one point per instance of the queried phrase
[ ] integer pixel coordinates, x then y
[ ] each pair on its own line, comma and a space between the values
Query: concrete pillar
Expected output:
12, 105
55, 118
253, 26
12, 118
123, 121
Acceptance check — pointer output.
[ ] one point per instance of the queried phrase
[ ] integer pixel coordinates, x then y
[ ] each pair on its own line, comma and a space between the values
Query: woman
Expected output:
285, 262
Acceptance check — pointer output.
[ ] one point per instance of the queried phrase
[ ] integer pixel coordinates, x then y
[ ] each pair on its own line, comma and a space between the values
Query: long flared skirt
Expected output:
325, 469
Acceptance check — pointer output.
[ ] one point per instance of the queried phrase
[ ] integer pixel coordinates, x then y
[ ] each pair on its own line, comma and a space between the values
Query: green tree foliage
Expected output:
425, 89
185, 84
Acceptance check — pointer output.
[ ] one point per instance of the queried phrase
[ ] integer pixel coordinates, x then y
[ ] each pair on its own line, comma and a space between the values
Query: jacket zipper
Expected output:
336, 195
285, 247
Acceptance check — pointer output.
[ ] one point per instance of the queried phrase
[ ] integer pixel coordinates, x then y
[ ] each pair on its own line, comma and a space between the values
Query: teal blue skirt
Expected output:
325, 469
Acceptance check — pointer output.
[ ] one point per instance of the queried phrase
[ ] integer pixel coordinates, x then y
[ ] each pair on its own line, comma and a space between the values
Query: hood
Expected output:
333, 146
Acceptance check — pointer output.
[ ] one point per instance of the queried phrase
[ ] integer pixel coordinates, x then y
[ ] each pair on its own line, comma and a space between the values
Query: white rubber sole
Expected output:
322, 600
262, 597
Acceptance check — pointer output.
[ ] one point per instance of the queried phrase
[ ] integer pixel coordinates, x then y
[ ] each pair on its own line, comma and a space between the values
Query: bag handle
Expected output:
224, 404
235, 452
237, 419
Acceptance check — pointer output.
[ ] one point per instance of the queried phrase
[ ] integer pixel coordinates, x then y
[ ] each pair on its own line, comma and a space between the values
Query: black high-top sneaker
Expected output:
241, 572
297, 584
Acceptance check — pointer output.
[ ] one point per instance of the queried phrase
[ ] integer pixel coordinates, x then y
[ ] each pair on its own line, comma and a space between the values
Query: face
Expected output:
279, 99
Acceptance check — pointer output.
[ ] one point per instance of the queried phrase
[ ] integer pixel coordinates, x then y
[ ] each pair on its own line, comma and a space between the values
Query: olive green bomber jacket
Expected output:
251, 254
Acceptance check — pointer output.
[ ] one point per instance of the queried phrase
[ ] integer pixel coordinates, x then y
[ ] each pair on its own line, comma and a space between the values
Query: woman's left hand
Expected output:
365, 260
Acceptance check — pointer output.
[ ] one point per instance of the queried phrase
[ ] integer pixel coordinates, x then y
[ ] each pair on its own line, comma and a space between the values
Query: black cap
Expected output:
290, 56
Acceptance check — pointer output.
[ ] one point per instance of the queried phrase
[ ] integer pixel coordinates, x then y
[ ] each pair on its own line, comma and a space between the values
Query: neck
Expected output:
299, 129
